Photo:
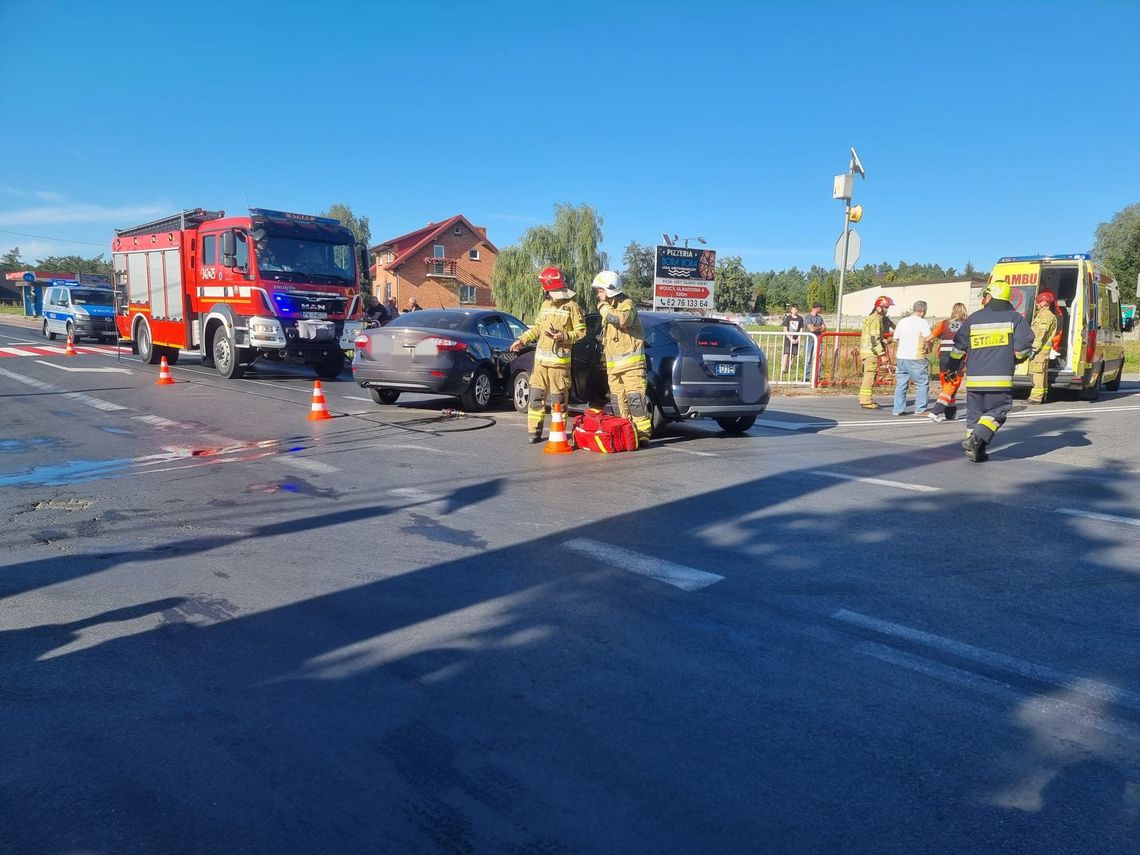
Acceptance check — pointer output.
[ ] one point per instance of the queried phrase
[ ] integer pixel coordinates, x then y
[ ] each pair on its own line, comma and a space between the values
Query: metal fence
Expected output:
839, 363
791, 357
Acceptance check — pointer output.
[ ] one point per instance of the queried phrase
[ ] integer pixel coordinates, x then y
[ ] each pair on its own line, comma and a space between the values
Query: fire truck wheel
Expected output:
226, 359
148, 353
171, 354
331, 366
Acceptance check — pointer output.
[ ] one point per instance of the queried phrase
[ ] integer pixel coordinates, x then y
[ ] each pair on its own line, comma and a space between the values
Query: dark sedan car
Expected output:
696, 368
457, 352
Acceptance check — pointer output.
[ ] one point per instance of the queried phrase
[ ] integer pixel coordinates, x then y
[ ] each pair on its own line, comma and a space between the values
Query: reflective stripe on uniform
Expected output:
978, 381
991, 423
625, 361
549, 357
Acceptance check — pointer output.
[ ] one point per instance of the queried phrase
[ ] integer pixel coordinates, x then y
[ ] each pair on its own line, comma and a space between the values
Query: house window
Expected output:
472, 255
466, 293
437, 251
459, 230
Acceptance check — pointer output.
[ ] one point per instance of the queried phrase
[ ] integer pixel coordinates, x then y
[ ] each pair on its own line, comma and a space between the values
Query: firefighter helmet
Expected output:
553, 284
884, 302
998, 289
608, 283
1045, 298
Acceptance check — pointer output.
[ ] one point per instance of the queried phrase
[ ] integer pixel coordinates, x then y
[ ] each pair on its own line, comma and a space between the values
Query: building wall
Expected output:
411, 279
940, 297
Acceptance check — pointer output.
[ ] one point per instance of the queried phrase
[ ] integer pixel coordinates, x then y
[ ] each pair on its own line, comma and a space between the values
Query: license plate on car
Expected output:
320, 316
726, 369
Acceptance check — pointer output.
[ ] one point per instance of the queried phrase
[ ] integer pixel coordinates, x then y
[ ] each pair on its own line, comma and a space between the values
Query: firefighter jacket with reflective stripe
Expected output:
1044, 327
946, 331
555, 316
996, 337
623, 338
872, 343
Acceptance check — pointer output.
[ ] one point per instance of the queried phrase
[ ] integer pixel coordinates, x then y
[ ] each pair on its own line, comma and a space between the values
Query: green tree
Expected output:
11, 261
760, 291
1118, 248
637, 278
75, 264
570, 243
733, 286
358, 225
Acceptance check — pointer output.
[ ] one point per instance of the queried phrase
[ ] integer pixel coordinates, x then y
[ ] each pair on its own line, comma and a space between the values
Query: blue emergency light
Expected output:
297, 218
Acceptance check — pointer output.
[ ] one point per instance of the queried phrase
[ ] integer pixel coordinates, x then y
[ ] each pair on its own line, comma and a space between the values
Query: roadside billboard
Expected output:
683, 278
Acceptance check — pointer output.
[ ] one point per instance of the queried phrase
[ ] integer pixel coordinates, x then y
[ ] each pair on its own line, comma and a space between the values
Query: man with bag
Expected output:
623, 342
558, 326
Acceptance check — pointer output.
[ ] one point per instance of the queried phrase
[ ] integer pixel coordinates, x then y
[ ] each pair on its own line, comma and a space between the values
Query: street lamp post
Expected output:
672, 241
697, 239
844, 188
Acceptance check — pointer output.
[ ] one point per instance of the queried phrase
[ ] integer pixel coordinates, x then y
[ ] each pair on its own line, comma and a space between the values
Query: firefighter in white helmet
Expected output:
623, 341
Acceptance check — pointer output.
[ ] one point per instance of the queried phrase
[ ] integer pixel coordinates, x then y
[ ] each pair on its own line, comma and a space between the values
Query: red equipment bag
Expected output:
594, 430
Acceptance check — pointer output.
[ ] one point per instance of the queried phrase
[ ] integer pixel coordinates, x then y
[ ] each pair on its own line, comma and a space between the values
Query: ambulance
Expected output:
1090, 353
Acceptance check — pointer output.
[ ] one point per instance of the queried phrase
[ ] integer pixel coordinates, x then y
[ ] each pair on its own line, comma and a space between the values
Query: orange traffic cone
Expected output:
70, 350
319, 410
557, 443
165, 378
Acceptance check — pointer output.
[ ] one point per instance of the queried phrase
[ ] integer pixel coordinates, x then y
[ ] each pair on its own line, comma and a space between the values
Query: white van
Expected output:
80, 311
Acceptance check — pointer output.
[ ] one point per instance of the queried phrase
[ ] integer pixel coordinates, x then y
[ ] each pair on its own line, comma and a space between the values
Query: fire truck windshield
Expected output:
291, 259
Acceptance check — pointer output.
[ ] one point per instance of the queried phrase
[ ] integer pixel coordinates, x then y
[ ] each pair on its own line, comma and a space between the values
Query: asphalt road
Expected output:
228, 629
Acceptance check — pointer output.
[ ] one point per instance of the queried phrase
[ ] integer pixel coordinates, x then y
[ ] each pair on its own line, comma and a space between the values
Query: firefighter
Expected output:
558, 326
623, 341
873, 349
946, 407
996, 337
1044, 328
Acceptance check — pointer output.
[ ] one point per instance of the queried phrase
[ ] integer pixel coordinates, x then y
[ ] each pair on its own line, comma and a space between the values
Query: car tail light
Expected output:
361, 342
1090, 351
445, 344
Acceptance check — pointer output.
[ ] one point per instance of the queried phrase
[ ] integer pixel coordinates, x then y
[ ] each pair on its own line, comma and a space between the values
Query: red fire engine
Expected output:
273, 285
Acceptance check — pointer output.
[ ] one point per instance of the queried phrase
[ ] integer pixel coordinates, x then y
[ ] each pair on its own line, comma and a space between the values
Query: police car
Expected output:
80, 311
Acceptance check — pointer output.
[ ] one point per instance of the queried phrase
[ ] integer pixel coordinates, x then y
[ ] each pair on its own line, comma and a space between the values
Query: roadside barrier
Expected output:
557, 443
838, 362
791, 356
165, 378
319, 409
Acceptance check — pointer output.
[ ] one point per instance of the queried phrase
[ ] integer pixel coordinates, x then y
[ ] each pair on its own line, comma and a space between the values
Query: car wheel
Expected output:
478, 394
656, 418
331, 366
48, 334
520, 392
736, 424
1114, 385
226, 359
148, 353
1093, 392
71, 332
384, 396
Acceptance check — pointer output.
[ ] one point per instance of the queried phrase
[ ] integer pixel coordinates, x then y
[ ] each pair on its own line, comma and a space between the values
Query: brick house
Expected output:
444, 264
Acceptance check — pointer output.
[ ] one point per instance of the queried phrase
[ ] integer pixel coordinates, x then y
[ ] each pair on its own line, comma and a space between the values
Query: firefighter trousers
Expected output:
627, 394
986, 412
870, 372
548, 384
1038, 373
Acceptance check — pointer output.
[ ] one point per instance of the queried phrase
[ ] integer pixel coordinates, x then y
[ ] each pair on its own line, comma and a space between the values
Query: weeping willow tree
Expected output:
570, 242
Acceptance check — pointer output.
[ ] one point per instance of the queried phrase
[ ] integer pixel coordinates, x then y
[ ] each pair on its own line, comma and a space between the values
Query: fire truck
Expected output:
272, 285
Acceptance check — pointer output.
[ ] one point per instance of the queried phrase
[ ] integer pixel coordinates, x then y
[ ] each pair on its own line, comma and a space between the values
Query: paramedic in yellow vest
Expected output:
873, 350
1044, 328
558, 326
623, 342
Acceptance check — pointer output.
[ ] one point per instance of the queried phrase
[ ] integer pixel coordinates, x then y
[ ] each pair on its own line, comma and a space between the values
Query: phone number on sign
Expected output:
682, 303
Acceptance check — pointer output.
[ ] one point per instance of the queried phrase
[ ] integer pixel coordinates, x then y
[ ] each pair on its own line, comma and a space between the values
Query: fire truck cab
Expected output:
272, 285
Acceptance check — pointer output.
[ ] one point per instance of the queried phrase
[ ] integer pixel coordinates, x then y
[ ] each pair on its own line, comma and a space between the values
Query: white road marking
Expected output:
15, 351
97, 403
1093, 515
104, 370
159, 421
1030, 670
314, 466
918, 488
673, 447
677, 575
897, 421
357, 398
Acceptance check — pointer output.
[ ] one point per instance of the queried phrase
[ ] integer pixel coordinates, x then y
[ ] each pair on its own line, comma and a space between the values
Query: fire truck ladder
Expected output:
179, 221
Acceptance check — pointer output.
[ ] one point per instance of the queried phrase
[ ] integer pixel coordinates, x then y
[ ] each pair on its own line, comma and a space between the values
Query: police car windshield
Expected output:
92, 298
292, 260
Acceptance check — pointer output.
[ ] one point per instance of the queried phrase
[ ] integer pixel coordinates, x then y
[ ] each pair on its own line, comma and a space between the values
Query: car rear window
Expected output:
432, 318
706, 336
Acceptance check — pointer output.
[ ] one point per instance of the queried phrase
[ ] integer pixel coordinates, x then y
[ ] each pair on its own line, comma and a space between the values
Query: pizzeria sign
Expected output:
683, 278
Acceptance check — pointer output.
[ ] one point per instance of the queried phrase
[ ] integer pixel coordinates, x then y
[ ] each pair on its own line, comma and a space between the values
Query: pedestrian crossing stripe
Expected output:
42, 350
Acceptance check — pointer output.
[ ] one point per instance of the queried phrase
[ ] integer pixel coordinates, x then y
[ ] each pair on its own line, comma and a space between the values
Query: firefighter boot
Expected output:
975, 449
536, 434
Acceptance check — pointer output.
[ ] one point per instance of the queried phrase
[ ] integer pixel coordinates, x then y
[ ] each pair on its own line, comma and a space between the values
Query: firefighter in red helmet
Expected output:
558, 326
1044, 328
873, 349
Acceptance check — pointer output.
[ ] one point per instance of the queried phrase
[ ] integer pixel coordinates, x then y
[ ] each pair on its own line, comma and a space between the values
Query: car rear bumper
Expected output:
451, 385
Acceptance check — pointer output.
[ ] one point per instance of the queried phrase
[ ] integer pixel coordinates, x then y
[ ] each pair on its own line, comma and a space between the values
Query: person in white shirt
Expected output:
911, 334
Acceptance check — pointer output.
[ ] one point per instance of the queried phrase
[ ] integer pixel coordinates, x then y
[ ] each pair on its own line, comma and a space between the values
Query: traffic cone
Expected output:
165, 378
557, 443
319, 410
70, 350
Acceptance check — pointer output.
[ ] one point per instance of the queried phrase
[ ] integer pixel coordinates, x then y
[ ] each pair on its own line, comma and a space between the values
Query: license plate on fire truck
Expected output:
320, 316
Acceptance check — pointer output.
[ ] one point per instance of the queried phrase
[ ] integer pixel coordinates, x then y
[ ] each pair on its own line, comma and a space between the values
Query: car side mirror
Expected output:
365, 271
229, 249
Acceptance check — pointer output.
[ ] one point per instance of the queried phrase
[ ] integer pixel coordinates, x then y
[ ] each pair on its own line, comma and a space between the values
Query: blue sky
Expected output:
986, 129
